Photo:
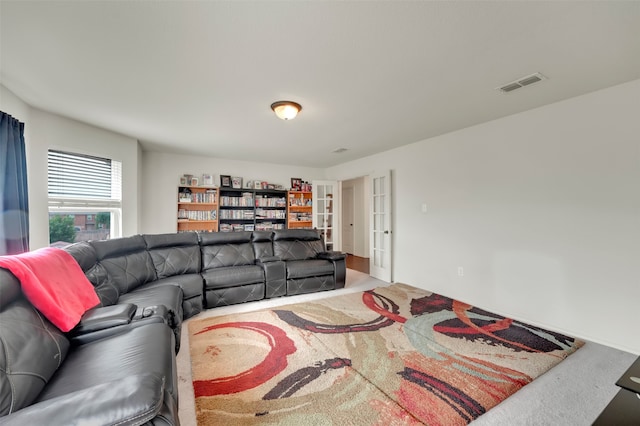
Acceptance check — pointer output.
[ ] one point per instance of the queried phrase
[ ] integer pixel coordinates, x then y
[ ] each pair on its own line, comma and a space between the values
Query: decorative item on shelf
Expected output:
249, 184
279, 187
264, 184
257, 184
225, 181
184, 196
296, 184
194, 181
236, 182
207, 179
183, 180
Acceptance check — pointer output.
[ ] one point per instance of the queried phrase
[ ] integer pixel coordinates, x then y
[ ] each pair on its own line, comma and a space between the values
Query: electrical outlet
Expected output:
460, 271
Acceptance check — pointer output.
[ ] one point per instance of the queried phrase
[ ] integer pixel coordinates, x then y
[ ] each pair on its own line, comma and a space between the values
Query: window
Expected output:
85, 198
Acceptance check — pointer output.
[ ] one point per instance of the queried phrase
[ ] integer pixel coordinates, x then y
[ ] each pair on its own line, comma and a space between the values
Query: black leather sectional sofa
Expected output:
118, 365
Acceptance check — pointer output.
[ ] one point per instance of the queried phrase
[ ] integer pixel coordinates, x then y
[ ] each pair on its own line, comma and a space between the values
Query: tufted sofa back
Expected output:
31, 348
126, 261
85, 255
222, 249
174, 254
297, 244
262, 242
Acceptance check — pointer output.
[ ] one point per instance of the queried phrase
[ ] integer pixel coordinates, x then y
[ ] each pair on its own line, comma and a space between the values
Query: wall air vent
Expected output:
522, 82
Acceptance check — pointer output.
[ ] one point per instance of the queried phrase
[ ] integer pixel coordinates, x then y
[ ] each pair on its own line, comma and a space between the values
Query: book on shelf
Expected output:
231, 201
198, 215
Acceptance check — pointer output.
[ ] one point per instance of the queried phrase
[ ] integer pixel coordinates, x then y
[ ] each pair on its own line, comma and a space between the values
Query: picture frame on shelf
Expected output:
194, 181
296, 184
236, 182
183, 180
225, 181
207, 179
257, 184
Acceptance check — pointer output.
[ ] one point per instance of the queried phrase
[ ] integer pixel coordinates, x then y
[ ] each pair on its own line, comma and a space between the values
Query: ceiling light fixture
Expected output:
286, 110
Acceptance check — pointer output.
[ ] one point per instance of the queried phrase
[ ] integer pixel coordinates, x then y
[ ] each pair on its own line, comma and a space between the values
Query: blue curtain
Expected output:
14, 203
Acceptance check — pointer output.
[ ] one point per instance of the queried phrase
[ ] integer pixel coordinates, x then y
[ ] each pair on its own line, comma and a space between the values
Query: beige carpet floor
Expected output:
583, 384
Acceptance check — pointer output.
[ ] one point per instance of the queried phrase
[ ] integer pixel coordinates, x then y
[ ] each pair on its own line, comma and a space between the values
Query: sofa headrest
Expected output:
262, 236
118, 246
215, 238
84, 254
296, 234
171, 240
9, 288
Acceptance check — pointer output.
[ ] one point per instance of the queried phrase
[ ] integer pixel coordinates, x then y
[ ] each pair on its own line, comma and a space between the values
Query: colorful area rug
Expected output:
394, 355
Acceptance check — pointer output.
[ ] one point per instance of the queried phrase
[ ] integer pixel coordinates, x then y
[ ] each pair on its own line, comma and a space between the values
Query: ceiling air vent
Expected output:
339, 150
524, 81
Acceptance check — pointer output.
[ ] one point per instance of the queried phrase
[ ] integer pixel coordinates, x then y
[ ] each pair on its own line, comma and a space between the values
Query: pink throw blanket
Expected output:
54, 283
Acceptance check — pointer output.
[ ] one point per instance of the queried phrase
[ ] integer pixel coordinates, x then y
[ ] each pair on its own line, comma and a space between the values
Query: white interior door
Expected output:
348, 219
326, 212
380, 237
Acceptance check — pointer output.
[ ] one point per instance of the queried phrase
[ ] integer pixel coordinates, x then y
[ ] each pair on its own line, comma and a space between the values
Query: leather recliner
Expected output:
128, 377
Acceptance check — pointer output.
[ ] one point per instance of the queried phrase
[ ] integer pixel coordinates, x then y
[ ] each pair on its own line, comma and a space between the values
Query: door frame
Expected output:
381, 231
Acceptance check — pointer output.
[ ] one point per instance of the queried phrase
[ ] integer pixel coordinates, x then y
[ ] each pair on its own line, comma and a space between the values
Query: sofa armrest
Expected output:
275, 276
339, 260
105, 317
332, 255
133, 400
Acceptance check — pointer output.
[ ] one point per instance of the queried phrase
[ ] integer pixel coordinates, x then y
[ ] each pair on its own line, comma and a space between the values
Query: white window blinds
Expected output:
83, 180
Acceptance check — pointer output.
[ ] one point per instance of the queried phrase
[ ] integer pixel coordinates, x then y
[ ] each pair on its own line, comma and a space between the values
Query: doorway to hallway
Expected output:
357, 263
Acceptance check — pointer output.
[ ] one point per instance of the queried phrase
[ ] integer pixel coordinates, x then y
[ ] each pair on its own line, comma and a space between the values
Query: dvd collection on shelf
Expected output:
264, 201
207, 197
300, 202
270, 214
237, 214
204, 209
265, 226
246, 200
202, 215
300, 217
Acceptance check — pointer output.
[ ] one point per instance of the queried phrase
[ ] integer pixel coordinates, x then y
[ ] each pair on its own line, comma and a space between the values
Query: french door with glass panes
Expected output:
326, 217
380, 237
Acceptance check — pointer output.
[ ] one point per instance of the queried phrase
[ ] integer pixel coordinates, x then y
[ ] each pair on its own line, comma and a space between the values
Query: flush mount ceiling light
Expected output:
286, 110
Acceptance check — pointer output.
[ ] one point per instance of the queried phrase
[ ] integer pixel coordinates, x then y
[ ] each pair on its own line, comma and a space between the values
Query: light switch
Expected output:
424, 207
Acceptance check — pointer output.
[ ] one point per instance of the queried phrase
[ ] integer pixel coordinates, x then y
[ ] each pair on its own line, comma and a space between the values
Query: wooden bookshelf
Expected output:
300, 210
252, 209
197, 209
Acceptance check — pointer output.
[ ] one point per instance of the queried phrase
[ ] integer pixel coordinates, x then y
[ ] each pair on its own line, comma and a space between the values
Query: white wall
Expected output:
161, 173
13, 105
541, 209
50, 131
44, 131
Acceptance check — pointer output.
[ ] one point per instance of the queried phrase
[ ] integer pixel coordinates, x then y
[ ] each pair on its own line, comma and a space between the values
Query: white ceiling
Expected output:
198, 77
